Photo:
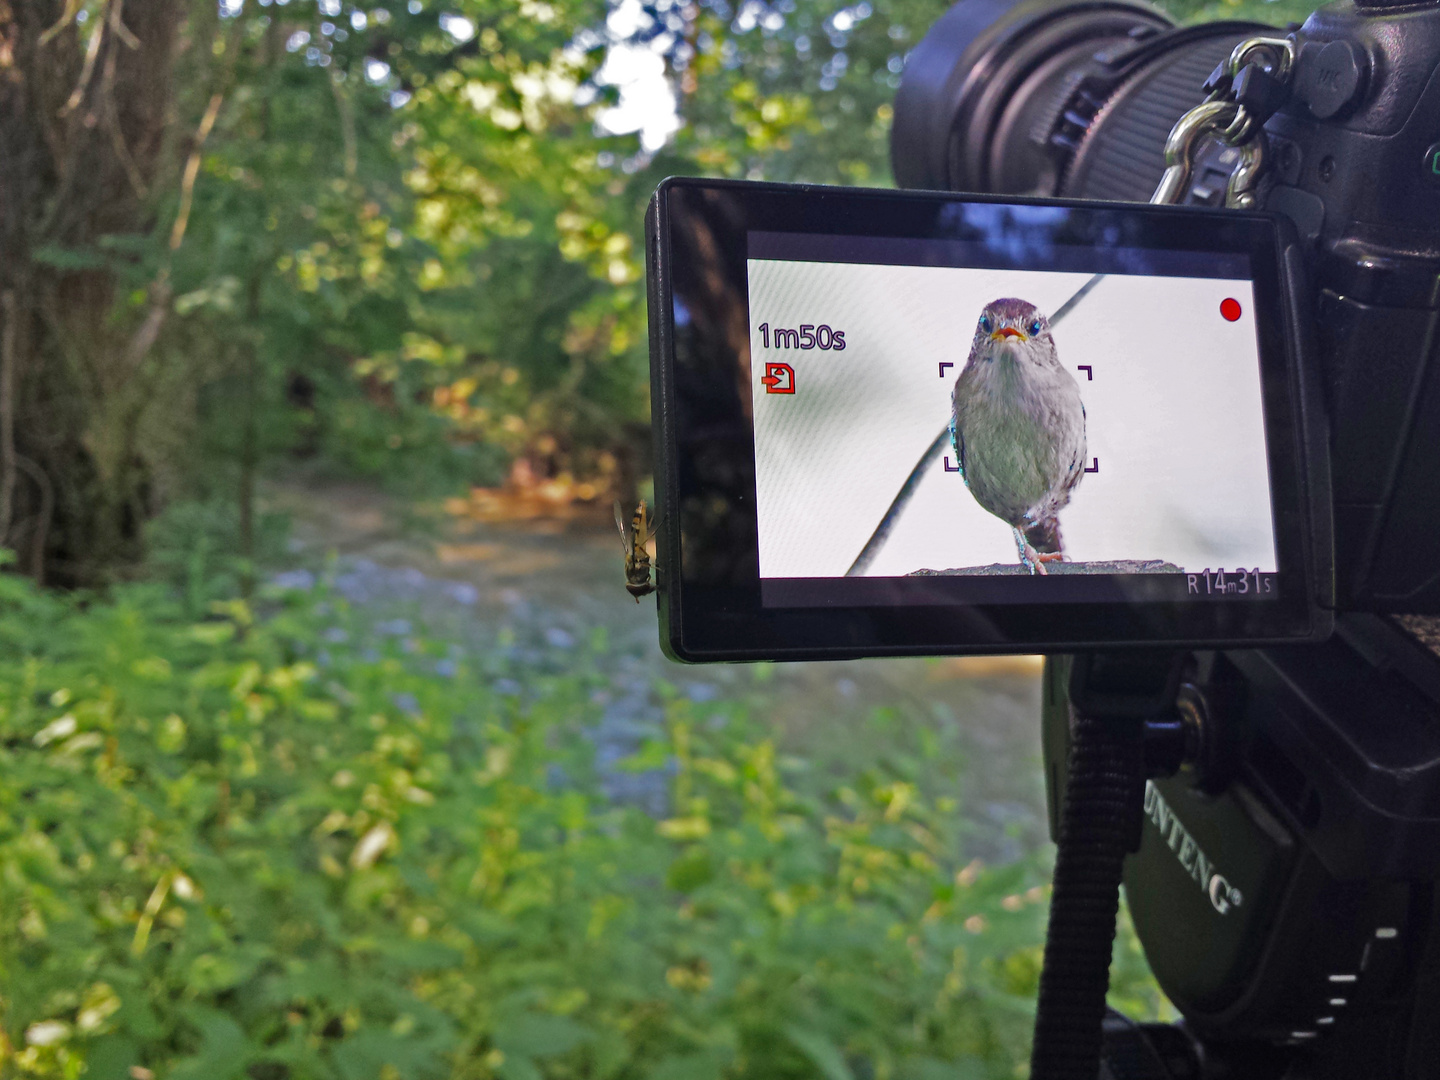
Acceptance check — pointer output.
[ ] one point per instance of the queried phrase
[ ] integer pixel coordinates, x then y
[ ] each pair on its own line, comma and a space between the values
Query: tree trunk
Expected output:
85, 143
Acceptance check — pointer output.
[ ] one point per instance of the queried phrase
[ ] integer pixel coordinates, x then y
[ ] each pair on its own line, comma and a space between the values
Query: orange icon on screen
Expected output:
779, 379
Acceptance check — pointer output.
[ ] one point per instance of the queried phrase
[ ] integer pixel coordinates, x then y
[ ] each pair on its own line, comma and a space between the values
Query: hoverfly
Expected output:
637, 559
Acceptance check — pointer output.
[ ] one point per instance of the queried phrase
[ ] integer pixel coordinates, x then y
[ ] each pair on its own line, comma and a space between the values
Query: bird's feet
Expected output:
1031, 559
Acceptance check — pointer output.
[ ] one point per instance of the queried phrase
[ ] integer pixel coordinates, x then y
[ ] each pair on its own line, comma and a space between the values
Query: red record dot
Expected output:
1230, 309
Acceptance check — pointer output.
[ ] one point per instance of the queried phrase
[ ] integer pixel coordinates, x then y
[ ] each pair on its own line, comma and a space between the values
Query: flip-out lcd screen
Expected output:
899, 423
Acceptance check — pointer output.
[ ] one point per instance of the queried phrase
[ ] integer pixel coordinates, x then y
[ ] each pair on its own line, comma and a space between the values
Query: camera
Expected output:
1284, 883
1185, 450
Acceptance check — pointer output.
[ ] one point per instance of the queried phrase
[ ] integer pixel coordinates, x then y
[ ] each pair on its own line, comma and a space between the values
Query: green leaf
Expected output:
138, 1017
652, 755
363, 1055
705, 1065
412, 955
210, 972
110, 1057
223, 1048
690, 871
213, 633
819, 1049
540, 1035
518, 1068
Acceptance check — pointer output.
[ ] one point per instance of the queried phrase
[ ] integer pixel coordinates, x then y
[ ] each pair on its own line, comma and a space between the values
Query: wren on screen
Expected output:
1018, 428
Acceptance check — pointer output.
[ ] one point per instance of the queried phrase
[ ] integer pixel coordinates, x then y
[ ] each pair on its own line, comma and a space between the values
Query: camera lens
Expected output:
1043, 98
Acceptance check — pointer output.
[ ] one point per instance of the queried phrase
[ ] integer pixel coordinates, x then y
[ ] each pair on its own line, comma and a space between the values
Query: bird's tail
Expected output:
1044, 536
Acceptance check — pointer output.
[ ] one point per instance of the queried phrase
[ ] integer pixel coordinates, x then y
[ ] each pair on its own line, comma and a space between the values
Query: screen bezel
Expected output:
694, 381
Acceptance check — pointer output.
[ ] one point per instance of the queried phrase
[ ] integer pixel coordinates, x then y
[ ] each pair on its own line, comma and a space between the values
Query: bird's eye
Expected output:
985, 324
1034, 327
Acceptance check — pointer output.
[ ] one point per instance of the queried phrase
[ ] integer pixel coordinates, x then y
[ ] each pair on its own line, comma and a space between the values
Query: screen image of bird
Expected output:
1025, 421
1017, 427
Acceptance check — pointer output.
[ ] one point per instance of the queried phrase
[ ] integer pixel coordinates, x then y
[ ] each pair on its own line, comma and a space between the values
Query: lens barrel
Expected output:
1039, 97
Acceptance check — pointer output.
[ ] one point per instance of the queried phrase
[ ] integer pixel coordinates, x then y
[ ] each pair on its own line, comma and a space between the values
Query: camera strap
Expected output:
1242, 93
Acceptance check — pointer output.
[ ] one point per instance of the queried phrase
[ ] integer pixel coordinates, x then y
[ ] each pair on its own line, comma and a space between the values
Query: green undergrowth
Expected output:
250, 847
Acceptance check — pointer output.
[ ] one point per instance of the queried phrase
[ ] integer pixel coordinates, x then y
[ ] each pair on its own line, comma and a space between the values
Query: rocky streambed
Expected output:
535, 596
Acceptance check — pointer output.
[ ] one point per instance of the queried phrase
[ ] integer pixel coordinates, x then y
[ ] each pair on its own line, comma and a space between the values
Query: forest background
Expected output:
396, 239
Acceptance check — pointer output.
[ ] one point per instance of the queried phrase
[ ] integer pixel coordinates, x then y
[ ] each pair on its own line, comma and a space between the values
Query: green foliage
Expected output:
1270, 12
254, 848
410, 209
409, 221
194, 547
407, 445
798, 89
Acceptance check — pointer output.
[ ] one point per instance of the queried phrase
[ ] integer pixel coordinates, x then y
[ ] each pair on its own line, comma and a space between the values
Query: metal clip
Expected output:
1280, 52
1211, 118
1241, 193
1229, 121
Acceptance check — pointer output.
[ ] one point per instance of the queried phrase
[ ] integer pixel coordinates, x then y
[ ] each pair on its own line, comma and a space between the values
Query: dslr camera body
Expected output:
1077, 100
1285, 884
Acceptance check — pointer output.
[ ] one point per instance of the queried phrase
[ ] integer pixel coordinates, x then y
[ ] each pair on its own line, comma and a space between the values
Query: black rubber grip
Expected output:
1103, 801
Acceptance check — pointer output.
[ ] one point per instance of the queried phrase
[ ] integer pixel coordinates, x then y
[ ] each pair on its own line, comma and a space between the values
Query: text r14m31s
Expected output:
1230, 583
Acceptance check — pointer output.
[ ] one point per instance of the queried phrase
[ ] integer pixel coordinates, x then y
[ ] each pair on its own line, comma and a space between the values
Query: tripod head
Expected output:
1284, 882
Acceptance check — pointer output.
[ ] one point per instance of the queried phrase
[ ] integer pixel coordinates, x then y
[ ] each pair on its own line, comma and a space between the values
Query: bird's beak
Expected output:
1006, 332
